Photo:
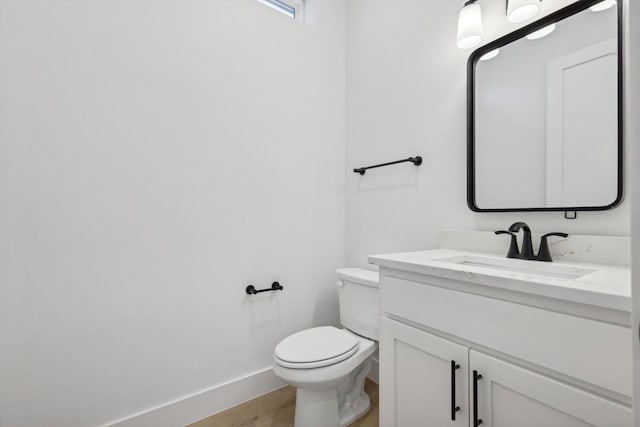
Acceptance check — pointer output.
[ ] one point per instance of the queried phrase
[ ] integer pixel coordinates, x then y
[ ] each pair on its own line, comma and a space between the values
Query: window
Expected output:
291, 8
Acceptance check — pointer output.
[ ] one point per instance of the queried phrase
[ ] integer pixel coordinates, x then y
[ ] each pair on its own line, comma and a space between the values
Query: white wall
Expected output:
633, 133
155, 158
406, 88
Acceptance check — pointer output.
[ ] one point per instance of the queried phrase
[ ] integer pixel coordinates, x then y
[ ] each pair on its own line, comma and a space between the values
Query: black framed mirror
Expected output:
545, 114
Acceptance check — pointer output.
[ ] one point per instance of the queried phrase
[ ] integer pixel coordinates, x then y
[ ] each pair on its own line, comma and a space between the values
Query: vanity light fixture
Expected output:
542, 32
490, 55
603, 5
519, 11
470, 25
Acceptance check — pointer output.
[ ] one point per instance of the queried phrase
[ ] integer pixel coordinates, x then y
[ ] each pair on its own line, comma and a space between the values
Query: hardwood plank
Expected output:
276, 409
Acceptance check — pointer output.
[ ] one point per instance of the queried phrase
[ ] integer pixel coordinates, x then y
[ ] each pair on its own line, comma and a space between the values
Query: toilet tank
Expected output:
359, 295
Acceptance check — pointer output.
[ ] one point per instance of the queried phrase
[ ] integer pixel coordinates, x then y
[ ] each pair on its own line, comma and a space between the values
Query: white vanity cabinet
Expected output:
428, 381
512, 396
552, 359
424, 378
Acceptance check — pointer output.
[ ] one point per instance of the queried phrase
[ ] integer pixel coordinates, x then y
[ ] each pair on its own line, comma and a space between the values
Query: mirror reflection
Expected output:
546, 117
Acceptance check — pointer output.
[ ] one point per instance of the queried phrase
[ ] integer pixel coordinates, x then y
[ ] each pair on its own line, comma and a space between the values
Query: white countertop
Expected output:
608, 286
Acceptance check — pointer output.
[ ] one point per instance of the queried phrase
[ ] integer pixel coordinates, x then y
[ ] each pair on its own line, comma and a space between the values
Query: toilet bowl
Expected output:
328, 365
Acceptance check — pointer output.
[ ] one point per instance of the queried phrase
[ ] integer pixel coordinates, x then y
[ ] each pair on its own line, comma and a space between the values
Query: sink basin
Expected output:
520, 266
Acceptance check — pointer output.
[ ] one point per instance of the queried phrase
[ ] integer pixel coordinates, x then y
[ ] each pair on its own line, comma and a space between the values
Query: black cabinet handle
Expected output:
454, 408
476, 421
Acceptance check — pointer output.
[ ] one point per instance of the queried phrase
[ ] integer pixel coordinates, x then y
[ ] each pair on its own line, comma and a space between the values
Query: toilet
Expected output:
328, 365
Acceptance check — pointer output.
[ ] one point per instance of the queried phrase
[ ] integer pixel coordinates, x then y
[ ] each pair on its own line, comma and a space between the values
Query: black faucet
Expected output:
543, 253
527, 246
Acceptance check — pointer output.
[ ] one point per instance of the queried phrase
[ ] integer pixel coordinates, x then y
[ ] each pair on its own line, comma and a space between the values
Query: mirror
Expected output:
545, 114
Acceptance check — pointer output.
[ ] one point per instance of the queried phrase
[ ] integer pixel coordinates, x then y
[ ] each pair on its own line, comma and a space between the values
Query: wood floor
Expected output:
276, 409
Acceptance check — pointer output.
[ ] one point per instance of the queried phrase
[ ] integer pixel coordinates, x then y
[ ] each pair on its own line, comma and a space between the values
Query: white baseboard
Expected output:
197, 406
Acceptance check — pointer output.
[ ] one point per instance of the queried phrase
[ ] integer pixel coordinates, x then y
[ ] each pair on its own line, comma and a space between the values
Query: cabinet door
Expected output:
511, 396
419, 386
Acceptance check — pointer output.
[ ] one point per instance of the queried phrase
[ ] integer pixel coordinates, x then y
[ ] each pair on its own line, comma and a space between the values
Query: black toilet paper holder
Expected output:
275, 286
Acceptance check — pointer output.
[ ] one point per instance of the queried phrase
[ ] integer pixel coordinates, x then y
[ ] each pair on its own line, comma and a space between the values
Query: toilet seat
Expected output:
315, 348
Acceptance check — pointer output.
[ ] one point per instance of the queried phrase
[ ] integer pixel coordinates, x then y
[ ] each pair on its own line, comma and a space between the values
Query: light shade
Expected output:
470, 25
519, 11
490, 55
542, 32
603, 5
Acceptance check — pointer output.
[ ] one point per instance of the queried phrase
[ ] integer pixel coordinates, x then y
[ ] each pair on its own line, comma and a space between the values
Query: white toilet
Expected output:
329, 365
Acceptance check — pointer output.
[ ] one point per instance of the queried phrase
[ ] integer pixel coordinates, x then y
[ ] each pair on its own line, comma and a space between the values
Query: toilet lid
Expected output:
324, 343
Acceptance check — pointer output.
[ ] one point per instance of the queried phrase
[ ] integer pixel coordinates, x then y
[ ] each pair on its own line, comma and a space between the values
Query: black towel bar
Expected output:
415, 160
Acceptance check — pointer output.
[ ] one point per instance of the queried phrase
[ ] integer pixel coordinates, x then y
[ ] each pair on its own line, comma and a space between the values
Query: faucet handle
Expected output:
543, 252
514, 252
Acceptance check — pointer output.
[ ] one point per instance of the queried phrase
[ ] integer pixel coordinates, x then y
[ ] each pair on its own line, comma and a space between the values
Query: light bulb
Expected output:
603, 5
519, 11
469, 25
490, 55
542, 32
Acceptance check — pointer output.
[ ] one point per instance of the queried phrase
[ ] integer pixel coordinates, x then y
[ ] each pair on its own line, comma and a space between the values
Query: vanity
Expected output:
472, 338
